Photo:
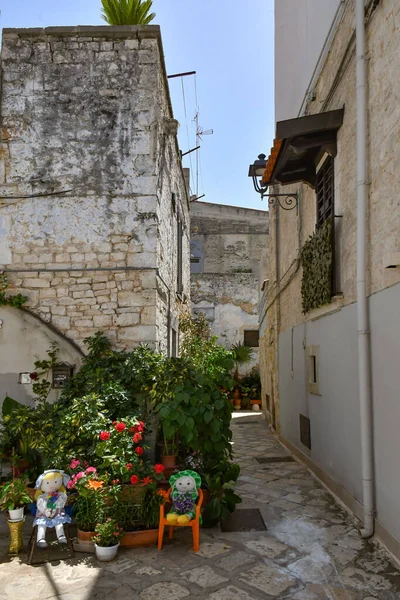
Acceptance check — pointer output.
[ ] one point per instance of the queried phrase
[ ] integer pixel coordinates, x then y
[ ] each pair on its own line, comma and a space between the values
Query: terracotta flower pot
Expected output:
144, 537
169, 461
236, 394
85, 536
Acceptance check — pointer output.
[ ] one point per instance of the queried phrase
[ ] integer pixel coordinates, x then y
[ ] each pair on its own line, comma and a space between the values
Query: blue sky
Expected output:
230, 45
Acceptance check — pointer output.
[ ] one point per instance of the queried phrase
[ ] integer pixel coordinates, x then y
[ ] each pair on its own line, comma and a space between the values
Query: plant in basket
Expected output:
106, 539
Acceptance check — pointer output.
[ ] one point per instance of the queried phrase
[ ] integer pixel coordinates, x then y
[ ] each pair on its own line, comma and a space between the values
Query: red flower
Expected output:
139, 451
104, 436
114, 422
134, 479
137, 438
129, 466
133, 429
33, 376
115, 481
120, 427
147, 480
159, 468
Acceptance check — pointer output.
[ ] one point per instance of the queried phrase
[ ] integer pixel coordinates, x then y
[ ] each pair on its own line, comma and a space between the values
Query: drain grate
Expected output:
244, 519
274, 459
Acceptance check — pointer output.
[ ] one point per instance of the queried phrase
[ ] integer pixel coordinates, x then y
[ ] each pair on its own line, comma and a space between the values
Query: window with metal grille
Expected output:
251, 338
325, 192
179, 270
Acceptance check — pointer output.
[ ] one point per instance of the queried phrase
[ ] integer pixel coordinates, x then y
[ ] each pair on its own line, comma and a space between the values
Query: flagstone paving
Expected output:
311, 549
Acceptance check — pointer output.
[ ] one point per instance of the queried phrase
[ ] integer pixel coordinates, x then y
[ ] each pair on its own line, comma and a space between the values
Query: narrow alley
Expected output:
310, 550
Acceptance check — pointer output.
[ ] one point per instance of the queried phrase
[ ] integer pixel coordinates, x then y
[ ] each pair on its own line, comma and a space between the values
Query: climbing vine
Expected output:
6, 300
317, 262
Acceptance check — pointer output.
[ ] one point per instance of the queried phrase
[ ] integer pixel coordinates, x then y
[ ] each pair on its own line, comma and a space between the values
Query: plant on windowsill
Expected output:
317, 263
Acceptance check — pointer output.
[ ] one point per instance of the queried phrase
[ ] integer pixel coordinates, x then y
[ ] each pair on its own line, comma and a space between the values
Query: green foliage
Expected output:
251, 384
121, 379
16, 301
13, 494
108, 533
220, 482
127, 12
138, 513
317, 263
242, 355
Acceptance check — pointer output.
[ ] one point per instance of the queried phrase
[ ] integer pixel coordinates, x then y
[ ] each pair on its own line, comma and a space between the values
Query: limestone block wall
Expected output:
87, 146
225, 286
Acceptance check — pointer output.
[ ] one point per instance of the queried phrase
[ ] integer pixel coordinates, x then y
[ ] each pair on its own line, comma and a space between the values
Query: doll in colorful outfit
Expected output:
50, 501
185, 485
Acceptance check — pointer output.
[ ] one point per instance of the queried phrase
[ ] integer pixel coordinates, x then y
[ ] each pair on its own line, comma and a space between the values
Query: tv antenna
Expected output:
199, 134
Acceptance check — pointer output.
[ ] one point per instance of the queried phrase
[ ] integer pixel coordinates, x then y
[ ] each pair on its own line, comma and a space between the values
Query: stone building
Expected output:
226, 246
312, 382
94, 208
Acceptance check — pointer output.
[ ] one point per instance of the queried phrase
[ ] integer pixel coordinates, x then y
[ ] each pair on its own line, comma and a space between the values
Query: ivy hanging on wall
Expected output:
5, 300
317, 263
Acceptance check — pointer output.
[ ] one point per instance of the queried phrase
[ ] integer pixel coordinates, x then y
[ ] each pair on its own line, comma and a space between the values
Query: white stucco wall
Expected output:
301, 27
23, 340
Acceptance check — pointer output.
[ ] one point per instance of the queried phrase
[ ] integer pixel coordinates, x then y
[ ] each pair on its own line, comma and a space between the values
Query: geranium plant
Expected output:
108, 533
120, 448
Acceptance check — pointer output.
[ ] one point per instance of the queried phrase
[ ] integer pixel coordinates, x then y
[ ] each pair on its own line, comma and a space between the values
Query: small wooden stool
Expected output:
32, 541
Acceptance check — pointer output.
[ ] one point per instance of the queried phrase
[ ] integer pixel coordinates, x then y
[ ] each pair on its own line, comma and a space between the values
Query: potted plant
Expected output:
140, 520
169, 453
220, 482
13, 497
106, 539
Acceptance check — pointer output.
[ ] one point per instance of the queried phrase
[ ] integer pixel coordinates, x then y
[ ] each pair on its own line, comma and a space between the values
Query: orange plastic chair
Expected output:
194, 523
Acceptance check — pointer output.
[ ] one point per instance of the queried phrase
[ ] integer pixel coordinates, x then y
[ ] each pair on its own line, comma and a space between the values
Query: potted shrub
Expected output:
13, 497
169, 453
106, 539
220, 482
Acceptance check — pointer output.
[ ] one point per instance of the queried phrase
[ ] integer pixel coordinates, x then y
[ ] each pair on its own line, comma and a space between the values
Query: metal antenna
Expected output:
199, 133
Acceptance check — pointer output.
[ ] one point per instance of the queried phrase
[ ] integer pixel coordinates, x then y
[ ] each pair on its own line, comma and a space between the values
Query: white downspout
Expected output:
364, 367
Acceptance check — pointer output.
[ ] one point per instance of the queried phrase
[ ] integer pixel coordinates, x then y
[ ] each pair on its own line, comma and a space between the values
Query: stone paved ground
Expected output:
310, 551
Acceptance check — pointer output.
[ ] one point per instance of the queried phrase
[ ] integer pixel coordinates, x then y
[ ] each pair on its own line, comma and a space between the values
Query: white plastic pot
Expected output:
17, 514
106, 554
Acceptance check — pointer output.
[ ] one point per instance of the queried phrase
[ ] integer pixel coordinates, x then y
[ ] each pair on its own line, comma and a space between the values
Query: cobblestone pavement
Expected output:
311, 549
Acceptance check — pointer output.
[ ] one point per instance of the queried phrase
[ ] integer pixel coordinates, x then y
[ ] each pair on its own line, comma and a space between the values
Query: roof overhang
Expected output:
301, 143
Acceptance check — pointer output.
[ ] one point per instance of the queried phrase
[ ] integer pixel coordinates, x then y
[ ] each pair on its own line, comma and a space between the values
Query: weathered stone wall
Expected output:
334, 89
88, 143
226, 290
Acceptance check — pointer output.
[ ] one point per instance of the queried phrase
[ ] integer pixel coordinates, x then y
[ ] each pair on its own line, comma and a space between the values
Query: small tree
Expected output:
242, 355
127, 12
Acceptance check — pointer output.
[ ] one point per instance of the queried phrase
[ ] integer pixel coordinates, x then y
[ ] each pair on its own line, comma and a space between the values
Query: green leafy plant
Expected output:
127, 12
13, 494
220, 483
5, 300
317, 263
108, 533
242, 355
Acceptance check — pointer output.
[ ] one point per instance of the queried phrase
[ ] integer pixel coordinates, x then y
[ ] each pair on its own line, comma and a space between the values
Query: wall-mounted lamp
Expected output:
256, 172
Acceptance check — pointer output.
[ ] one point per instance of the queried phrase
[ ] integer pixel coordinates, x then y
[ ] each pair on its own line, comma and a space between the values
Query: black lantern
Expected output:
61, 373
256, 172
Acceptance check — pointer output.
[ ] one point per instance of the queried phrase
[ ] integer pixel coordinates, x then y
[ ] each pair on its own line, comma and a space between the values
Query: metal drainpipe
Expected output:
364, 363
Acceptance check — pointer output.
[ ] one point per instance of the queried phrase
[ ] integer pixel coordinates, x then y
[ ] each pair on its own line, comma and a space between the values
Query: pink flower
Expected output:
104, 436
80, 475
70, 484
74, 463
139, 451
91, 470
